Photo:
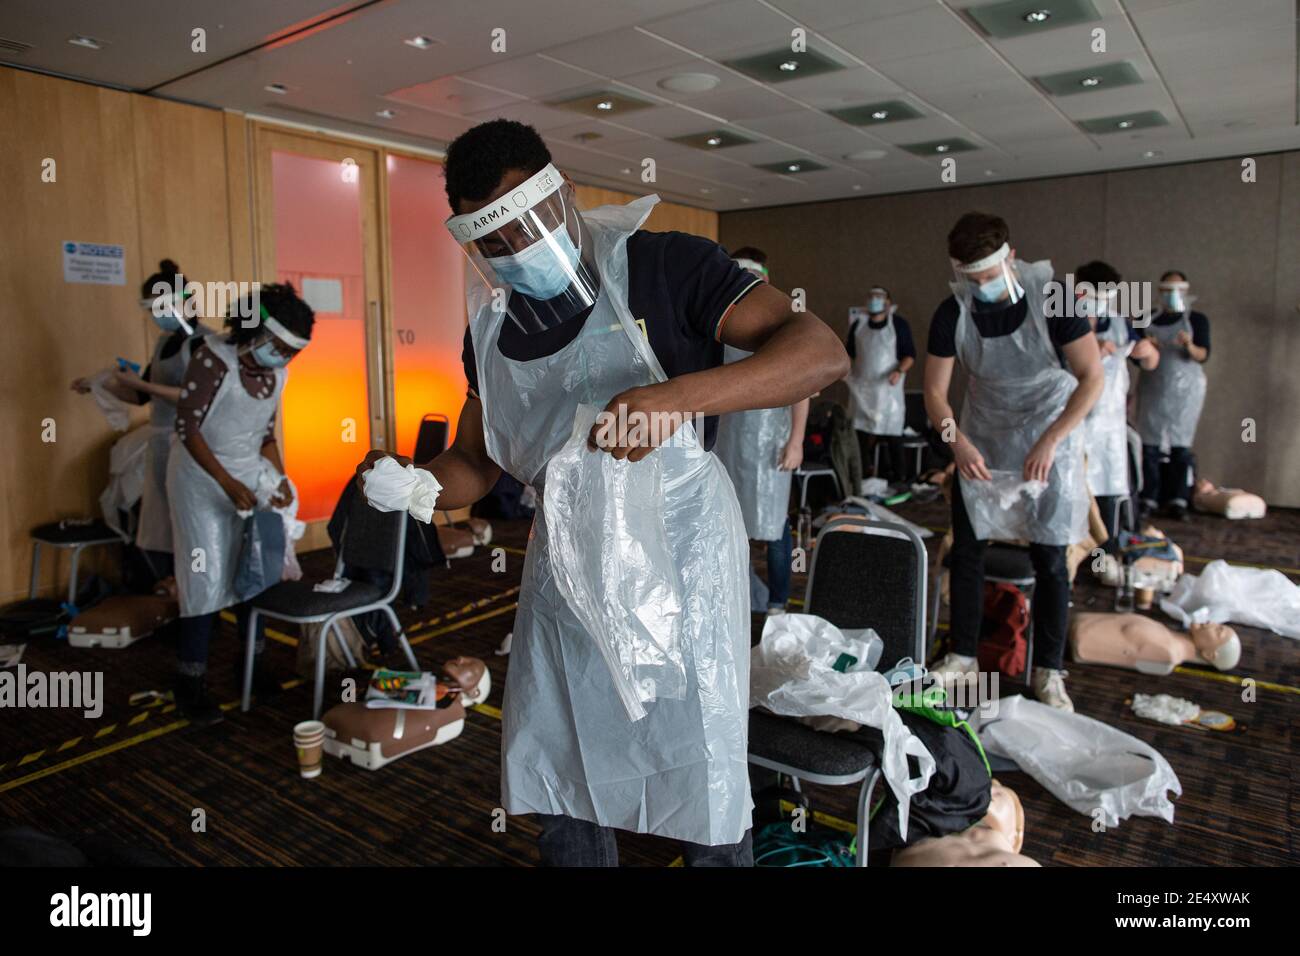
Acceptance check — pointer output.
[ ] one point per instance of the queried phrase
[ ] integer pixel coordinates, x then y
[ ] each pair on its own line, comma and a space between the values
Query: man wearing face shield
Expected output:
570, 308
159, 385
1106, 427
1171, 396
1020, 419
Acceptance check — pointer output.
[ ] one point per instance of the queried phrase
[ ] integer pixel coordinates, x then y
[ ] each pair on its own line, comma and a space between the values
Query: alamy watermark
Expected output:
20, 688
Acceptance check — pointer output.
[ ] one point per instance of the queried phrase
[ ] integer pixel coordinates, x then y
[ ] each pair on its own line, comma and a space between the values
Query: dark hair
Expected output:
167, 273
888, 295
478, 158
1096, 272
976, 235
281, 301
751, 252
1174, 272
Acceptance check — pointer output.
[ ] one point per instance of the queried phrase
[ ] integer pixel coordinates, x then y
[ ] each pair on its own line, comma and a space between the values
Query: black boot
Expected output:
265, 684
193, 702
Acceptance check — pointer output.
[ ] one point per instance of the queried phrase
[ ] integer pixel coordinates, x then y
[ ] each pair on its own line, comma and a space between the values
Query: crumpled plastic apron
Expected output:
154, 532
569, 747
203, 516
1016, 388
878, 407
1171, 395
1106, 427
750, 444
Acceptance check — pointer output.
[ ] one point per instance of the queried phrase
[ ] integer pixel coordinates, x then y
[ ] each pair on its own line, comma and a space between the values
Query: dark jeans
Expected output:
1051, 601
1166, 482
779, 555
1108, 506
196, 637
569, 842
892, 465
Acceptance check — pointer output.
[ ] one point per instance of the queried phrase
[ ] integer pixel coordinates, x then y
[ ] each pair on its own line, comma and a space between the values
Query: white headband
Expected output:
283, 334
979, 265
476, 225
751, 265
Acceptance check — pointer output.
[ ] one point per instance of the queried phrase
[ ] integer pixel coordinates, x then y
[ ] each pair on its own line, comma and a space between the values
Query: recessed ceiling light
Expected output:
942, 148
714, 141
1152, 154
689, 82
625, 171
857, 187
420, 42
1124, 124
1090, 81
705, 189
880, 114
990, 172
279, 89
89, 43
385, 113
793, 167
789, 66
605, 105
744, 199
865, 154
1037, 16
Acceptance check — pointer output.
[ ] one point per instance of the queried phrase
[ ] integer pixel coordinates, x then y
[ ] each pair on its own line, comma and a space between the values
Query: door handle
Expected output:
377, 381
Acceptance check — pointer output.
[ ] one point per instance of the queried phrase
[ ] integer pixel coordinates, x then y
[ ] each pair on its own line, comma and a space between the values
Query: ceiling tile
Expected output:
931, 30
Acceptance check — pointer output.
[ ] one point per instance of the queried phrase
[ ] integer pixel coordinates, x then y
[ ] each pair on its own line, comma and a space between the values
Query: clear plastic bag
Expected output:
793, 671
115, 410
1222, 592
999, 508
1087, 765
613, 565
261, 555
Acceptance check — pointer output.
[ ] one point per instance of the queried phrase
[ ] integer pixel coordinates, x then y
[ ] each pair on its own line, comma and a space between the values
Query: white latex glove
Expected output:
390, 487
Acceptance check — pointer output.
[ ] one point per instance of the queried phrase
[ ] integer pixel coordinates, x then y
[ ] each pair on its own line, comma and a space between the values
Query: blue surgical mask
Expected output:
539, 271
991, 291
267, 356
876, 304
168, 322
1173, 300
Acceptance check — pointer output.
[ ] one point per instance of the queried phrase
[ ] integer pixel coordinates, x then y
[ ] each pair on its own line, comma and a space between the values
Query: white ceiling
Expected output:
1223, 72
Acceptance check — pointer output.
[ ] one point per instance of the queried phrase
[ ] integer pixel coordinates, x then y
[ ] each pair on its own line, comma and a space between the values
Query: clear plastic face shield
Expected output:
991, 279
275, 346
168, 310
1096, 304
532, 245
1173, 295
877, 300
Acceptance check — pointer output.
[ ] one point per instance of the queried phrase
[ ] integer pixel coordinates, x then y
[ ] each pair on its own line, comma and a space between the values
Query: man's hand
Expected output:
371, 457
895, 376
1144, 349
1038, 463
969, 461
638, 420
283, 495
128, 379
791, 456
1108, 347
240, 495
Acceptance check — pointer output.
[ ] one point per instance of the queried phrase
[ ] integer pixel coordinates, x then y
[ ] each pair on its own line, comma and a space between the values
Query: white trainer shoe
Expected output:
954, 668
1049, 688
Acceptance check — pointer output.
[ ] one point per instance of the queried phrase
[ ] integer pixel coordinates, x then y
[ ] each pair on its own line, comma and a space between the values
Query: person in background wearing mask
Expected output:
880, 346
1171, 396
159, 385
225, 451
1021, 415
1106, 427
587, 308
760, 449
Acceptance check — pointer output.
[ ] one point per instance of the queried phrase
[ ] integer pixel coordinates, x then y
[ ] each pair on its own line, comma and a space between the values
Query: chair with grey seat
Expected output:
373, 541
864, 573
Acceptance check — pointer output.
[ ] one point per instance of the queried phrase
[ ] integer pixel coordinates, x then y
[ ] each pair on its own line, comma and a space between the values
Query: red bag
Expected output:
1004, 645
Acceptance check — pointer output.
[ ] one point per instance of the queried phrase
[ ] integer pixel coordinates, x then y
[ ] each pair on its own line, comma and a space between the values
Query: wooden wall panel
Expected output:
53, 331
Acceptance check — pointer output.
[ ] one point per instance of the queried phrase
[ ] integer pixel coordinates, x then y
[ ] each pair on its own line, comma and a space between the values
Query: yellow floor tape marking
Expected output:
30, 757
429, 635
137, 718
472, 606
1242, 564
825, 819
1234, 679
93, 755
105, 731
487, 709
68, 744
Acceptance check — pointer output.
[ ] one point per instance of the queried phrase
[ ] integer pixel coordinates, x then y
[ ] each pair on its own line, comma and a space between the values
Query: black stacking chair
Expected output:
373, 540
865, 573
73, 536
431, 439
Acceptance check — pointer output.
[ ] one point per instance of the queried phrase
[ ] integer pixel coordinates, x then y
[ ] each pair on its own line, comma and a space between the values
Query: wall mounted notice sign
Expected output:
94, 263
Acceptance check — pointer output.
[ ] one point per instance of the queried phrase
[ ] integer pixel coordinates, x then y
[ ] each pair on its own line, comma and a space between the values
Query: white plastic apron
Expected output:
749, 444
154, 532
569, 747
1016, 389
878, 407
1106, 427
1171, 395
203, 516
